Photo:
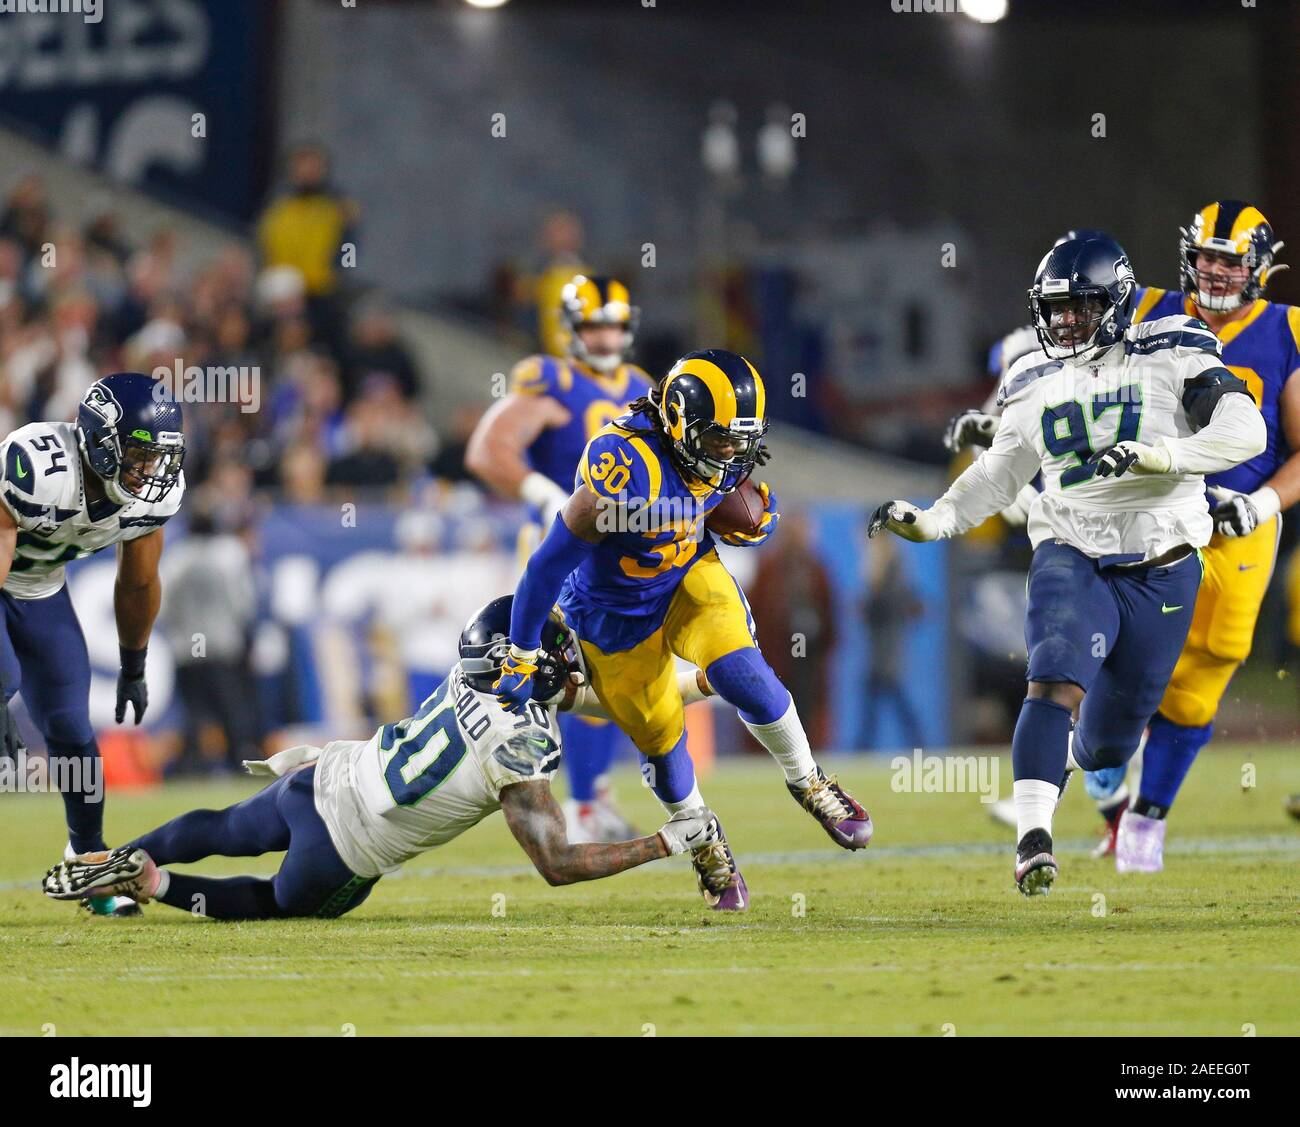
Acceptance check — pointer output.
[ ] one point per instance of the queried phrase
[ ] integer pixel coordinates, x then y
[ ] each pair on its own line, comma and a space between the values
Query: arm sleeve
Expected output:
990, 483
1234, 433
547, 570
1203, 390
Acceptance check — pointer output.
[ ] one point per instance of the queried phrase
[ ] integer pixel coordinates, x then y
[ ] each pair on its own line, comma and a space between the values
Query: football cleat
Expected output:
839, 813
1035, 866
1293, 806
122, 872
1106, 846
721, 884
1140, 844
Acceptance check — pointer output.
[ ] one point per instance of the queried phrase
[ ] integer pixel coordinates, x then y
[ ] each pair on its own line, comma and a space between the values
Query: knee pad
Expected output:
70, 729
744, 679
1194, 691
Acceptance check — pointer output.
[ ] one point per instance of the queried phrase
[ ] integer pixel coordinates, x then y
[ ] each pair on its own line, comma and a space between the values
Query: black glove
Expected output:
970, 428
1236, 516
1114, 460
11, 740
130, 684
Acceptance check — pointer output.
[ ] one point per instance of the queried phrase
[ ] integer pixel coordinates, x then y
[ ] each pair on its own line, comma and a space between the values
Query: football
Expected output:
741, 511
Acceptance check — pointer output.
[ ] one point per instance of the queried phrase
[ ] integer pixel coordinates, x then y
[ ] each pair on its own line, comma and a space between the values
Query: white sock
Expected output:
1035, 805
691, 801
787, 743
164, 883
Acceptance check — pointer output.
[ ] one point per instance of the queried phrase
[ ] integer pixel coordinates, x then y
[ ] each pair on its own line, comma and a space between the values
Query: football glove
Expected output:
970, 428
689, 830
1239, 514
766, 526
1117, 460
131, 688
515, 685
905, 520
11, 740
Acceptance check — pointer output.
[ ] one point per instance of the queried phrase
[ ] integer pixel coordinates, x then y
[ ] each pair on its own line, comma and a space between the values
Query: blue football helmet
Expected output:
486, 638
131, 434
1082, 297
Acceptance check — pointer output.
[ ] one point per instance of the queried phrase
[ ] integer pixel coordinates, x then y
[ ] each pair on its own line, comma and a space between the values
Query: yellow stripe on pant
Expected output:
707, 619
1237, 571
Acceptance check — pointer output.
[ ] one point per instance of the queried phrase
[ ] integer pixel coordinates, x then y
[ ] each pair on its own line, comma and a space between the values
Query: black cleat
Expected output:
1035, 865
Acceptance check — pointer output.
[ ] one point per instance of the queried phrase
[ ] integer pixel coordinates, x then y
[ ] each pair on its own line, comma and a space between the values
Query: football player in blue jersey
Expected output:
1226, 257
528, 446
68, 490
631, 564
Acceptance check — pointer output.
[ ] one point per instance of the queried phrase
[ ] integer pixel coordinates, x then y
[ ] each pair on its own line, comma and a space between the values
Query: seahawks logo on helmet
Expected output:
100, 399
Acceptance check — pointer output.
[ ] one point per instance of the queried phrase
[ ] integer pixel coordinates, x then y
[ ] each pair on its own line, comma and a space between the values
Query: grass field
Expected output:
923, 933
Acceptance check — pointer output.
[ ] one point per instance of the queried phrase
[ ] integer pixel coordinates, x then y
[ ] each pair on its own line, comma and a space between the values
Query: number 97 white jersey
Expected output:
1057, 414
419, 783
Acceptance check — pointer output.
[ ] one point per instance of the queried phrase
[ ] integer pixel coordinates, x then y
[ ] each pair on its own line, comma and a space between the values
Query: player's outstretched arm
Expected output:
137, 595
537, 822
495, 454
574, 533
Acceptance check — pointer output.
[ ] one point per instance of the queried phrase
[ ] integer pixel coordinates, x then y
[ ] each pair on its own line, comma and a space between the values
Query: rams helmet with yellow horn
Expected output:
596, 301
1233, 232
712, 411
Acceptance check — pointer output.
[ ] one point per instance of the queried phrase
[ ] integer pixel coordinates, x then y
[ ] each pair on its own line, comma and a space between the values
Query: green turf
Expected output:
908, 937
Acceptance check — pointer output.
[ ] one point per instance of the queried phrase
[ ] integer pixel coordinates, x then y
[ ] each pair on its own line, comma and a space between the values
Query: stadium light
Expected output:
486, 3
984, 11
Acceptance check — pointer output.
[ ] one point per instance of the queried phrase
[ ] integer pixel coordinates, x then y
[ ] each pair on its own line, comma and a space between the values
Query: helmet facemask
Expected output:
602, 362
147, 470
696, 447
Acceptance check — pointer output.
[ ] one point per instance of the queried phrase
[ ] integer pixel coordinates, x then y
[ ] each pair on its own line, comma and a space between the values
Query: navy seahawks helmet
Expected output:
486, 638
1082, 297
131, 434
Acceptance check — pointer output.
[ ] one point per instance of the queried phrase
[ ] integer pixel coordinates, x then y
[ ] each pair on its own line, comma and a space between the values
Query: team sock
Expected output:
221, 898
1171, 750
80, 771
671, 776
1040, 745
787, 743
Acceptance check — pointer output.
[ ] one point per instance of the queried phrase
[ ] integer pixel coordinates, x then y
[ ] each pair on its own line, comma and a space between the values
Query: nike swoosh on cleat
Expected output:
1169, 610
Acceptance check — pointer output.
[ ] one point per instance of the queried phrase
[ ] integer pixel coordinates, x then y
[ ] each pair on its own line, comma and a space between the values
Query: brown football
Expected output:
741, 511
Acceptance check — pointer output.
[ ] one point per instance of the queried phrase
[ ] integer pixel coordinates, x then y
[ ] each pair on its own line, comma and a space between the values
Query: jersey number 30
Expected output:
1066, 431
426, 749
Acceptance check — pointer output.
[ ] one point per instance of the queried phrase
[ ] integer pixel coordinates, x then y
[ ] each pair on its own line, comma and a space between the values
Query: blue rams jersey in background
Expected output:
591, 399
1263, 349
620, 593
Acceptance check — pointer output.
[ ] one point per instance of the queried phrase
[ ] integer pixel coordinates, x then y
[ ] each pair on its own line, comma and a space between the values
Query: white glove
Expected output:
689, 830
1016, 514
970, 428
1117, 460
545, 496
1239, 514
904, 520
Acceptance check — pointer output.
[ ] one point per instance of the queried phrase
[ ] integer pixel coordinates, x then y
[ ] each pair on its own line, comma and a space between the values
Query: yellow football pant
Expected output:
707, 618
1237, 571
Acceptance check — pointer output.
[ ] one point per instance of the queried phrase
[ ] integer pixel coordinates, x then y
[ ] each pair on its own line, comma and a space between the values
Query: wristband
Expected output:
1267, 503
132, 662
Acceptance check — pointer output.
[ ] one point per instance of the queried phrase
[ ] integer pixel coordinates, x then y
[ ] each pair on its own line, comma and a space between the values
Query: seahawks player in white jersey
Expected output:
352, 811
1122, 421
69, 490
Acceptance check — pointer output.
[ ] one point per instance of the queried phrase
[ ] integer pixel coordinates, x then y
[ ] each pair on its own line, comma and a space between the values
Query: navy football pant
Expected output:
43, 653
312, 881
1116, 633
